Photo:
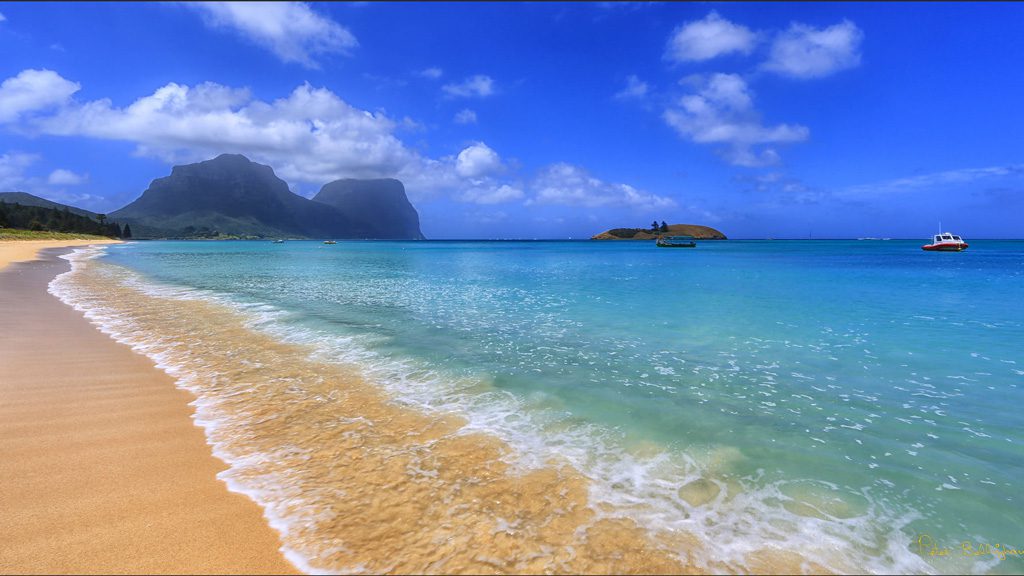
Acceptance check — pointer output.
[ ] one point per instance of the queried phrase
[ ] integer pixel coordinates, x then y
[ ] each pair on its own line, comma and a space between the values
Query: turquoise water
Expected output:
866, 392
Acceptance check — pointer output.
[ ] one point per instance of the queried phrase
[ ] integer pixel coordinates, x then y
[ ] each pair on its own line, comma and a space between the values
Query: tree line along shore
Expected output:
19, 222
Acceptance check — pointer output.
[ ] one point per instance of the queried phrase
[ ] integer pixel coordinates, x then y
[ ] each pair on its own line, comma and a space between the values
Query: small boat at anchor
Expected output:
676, 242
329, 242
946, 242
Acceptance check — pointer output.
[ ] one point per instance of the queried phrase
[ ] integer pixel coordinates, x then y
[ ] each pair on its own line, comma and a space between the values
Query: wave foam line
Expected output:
438, 474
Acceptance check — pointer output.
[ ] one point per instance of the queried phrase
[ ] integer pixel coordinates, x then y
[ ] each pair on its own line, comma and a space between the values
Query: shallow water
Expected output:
597, 407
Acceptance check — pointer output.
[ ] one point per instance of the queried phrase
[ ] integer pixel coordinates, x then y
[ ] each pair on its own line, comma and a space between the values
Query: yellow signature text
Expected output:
927, 546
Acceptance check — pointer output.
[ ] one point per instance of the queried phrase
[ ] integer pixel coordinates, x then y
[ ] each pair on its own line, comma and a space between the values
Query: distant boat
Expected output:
676, 242
946, 242
278, 241
329, 242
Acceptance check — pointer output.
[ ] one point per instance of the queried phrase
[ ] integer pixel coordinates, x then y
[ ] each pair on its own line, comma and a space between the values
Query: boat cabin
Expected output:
946, 242
947, 237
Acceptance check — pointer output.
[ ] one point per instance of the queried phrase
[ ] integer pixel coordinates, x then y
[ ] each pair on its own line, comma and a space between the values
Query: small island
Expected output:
656, 231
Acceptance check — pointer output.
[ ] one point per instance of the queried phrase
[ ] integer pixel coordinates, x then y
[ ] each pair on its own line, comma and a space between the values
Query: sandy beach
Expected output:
12, 251
101, 467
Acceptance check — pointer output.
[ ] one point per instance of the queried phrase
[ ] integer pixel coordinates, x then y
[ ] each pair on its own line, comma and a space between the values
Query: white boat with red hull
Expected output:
946, 242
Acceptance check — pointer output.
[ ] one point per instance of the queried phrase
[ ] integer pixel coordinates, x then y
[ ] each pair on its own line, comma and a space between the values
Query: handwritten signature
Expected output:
927, 546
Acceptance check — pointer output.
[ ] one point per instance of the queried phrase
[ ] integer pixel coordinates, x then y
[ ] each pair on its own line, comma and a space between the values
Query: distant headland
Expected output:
697, 231
231, 197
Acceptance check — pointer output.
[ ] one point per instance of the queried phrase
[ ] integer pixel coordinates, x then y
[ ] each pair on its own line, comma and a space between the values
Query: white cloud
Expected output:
635, 88
721, 111
571, 185
806, 52
291, 30
13, 178
31, 91
465, 116
932, 181
470, 176
489, 192
478, 160
62, 177
475, 86
2, 17
432, 73
705, 39
311, 135
12, 170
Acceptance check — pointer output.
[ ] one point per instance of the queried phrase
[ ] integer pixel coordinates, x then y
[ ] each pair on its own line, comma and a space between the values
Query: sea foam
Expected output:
747, 517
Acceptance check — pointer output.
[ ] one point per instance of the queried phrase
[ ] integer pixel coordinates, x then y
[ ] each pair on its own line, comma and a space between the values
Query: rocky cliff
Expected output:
380, 205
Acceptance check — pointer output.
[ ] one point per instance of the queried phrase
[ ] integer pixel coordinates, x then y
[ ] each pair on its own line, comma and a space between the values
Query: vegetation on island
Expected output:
657, 230
16, 220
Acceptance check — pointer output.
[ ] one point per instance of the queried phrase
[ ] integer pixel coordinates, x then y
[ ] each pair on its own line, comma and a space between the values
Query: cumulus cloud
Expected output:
31, 91
62, 177
489, 192
465, 116
806, 52
432, 73
571, 185
14, 178
471, 176
635, 88
721, 111
310, 135
478, 160
705, 39
478, 86
12, 169
291, 30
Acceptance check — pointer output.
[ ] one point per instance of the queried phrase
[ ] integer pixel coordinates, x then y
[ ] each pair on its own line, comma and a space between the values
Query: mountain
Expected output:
379, 204
231, 195
26, 199
695, 230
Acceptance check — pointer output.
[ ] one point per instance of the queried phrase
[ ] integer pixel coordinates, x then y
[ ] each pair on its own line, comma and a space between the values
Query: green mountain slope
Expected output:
26, 199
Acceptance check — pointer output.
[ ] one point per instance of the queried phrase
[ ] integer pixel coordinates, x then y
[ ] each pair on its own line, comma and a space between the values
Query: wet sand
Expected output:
101, 467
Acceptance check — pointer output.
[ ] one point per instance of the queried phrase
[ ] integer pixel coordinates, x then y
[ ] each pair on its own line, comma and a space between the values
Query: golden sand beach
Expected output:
101, 468
26, 250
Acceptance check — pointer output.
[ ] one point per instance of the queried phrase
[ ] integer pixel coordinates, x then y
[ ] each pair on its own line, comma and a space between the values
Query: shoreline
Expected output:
351, 480
103, 469
12, 251
347, 465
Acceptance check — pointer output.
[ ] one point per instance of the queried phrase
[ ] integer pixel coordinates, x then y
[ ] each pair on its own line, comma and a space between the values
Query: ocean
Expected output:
549, 406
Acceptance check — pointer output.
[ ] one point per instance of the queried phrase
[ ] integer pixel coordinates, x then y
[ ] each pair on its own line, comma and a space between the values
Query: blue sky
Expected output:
540, 120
